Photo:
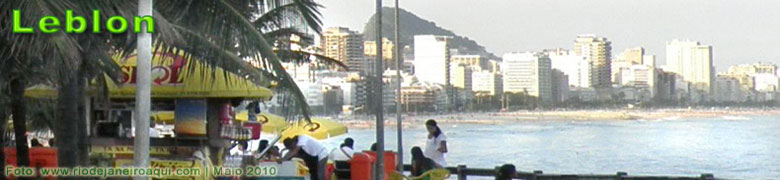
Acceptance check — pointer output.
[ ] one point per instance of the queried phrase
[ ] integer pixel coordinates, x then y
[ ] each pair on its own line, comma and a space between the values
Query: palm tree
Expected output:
221, 33
229, 34
21, 59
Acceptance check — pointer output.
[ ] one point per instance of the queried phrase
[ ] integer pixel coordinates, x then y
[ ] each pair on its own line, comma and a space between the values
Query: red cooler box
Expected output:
390, 160
360, 166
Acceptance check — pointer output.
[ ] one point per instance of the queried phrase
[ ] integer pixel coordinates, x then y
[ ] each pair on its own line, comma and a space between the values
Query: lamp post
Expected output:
398, 120
379, 111
143, 94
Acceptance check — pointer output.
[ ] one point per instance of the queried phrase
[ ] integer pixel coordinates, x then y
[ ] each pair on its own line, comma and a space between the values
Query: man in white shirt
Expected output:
345, 152
313, 153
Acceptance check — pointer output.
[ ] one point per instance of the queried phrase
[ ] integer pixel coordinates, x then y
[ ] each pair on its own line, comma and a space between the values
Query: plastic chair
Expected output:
433, 174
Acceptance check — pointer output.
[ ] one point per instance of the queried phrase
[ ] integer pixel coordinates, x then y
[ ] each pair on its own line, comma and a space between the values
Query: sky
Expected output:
740, 31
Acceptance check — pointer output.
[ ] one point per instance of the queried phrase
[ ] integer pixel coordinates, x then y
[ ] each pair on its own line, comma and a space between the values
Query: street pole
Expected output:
380, 123
398, 120
143, 94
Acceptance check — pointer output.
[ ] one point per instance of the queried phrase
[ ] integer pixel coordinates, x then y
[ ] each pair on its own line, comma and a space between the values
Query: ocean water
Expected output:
729, 147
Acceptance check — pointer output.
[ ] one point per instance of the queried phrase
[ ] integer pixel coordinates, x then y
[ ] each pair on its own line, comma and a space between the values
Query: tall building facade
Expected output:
649, 60
487, 82
344, 45
597, 50
461, 76
388, 52
471, 60
728, 89
641, 78
529, 73
560, 86
369, 48
432, 58
578, 69
766, 82
625, 60
634, 55
692, 61
753, 69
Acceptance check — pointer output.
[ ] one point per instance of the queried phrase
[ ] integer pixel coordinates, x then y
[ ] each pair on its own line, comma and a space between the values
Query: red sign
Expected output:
162, 74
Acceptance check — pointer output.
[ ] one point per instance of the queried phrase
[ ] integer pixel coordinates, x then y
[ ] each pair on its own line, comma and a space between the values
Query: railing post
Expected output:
496, 171
461, 172
537, 173
707, 176
621, 175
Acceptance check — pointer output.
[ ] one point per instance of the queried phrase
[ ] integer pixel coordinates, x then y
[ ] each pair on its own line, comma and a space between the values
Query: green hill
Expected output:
413, 25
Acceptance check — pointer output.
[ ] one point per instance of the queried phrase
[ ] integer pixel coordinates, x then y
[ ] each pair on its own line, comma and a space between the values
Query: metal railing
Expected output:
461, 172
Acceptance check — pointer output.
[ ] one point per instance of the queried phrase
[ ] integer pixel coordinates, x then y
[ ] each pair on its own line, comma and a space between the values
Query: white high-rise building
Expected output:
693, 62
766, 82
432, 59
579, 69
624, 60
529, 73
486, 81
649, 60
476, 61
641, 77
597, 50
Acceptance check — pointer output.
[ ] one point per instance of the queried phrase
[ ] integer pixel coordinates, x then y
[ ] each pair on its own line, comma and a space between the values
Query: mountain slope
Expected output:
413, 25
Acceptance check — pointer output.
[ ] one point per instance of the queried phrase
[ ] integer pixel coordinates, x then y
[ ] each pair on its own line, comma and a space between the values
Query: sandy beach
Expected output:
583, 115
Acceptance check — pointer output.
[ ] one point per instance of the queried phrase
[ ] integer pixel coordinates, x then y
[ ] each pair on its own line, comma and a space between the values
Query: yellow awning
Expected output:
319, 128
271, 122
174, 76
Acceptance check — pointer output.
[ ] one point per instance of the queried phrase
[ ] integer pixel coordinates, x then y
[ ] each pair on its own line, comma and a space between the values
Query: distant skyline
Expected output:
739, 31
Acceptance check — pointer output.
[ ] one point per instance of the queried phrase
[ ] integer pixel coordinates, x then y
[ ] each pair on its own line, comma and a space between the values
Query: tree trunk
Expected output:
67, 122
83, 139
18, 109
3, 124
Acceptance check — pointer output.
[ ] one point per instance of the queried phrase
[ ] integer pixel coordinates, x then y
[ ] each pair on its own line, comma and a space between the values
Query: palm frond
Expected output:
280, 13
310, 12
281, 34
302, 57
41, 114
263, 51
216, 56
220, 34
33, 48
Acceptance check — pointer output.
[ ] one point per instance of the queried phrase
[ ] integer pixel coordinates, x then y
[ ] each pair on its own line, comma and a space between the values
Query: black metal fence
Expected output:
462, 173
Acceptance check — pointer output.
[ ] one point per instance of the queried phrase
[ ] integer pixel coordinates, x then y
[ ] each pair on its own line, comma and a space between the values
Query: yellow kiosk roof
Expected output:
174, 76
